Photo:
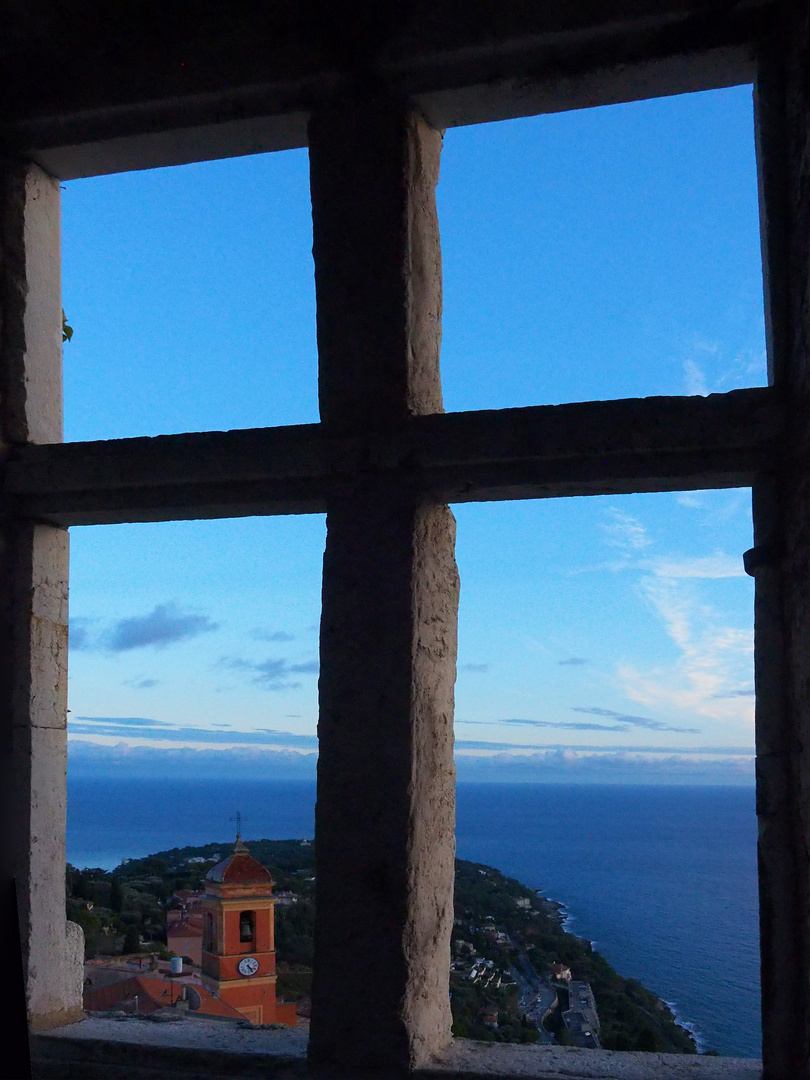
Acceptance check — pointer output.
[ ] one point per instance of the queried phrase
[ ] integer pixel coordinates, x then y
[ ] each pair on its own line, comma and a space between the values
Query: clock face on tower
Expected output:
248, 966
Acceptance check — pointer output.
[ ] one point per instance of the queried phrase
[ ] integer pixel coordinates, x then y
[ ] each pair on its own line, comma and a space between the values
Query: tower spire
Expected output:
239, 846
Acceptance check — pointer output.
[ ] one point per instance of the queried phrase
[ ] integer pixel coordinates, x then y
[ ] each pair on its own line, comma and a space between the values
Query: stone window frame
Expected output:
385, 460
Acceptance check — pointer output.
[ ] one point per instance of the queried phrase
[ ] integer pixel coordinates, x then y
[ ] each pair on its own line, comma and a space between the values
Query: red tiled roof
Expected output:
214, 1006
240, 868
154, 994
184, 929
190, 926
187, 895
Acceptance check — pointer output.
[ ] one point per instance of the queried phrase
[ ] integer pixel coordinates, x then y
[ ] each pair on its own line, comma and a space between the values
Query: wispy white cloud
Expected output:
625, 532
711, 675
715, 659
708, 567
715, 366
694, 379
690, 500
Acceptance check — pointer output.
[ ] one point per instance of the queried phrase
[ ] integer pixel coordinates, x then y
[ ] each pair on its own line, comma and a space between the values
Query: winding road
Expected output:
535, 995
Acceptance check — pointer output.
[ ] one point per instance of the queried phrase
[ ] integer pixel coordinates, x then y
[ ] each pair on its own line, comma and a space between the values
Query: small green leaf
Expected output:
67, 330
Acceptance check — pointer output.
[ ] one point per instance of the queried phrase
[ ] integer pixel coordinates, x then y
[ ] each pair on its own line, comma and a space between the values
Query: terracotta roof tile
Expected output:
240, 868
188, 927
154, 994
188, 894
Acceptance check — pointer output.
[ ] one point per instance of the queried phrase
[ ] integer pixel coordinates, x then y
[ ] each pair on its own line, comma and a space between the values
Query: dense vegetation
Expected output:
501, 924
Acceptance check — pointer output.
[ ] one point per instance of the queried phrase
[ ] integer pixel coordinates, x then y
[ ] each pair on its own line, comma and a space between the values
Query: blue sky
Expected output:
599, 254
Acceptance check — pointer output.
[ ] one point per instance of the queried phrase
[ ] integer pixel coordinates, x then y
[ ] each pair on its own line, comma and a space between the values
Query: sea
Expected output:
663, 880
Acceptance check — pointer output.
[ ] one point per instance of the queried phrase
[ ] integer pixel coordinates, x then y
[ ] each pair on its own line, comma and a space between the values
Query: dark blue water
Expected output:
663, 879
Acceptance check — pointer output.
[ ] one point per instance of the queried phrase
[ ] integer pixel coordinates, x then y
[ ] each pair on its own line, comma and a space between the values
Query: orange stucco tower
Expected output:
238, 953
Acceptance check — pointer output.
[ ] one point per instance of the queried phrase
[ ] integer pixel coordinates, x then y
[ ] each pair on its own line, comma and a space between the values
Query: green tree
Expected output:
132, 940
89, 922
646, 1040
116, 896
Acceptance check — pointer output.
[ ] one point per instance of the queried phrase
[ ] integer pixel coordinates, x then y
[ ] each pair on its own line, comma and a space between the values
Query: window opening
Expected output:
247, 922
605, 753
193, 696
186, 315
470, 669
602, 253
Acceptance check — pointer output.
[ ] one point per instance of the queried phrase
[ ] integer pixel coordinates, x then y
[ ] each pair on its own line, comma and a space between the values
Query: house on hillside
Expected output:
184, 936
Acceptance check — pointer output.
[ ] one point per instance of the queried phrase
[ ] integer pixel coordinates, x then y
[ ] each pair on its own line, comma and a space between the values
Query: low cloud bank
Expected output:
548, 766
88, 760
574, 766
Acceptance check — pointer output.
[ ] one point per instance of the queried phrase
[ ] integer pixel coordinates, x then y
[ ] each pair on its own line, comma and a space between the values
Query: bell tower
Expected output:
238, 957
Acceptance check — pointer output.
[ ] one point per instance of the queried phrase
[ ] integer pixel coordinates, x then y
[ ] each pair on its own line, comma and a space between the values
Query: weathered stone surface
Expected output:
546, 451
34, 764
467, 1059
96, 1046
385, 809
373, 173
33, 604
30, 294
384, 816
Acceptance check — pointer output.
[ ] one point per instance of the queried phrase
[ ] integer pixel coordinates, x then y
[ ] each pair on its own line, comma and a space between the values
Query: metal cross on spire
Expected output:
238, 819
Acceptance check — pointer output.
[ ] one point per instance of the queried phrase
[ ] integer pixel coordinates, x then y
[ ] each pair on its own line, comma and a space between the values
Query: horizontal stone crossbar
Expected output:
247, 82
590, 448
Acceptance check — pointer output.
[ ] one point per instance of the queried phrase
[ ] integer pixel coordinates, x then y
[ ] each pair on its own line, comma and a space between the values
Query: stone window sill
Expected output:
135, 1048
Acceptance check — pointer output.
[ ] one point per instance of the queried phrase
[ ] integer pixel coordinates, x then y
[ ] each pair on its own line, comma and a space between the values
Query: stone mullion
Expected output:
33, 602
385, 805
780, 560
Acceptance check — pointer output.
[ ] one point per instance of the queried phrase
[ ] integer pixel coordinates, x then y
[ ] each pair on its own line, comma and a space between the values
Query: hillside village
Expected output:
516, 974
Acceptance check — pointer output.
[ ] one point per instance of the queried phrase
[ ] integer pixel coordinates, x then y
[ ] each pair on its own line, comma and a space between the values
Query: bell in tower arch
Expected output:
246, 926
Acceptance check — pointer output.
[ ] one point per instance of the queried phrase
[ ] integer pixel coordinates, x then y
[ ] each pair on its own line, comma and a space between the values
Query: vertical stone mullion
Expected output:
33, 602
781, 561
374, 166
385, 807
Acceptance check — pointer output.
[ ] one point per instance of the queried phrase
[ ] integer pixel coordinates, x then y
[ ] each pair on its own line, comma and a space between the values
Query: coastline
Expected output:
700, 1040
567, 919
523, 832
